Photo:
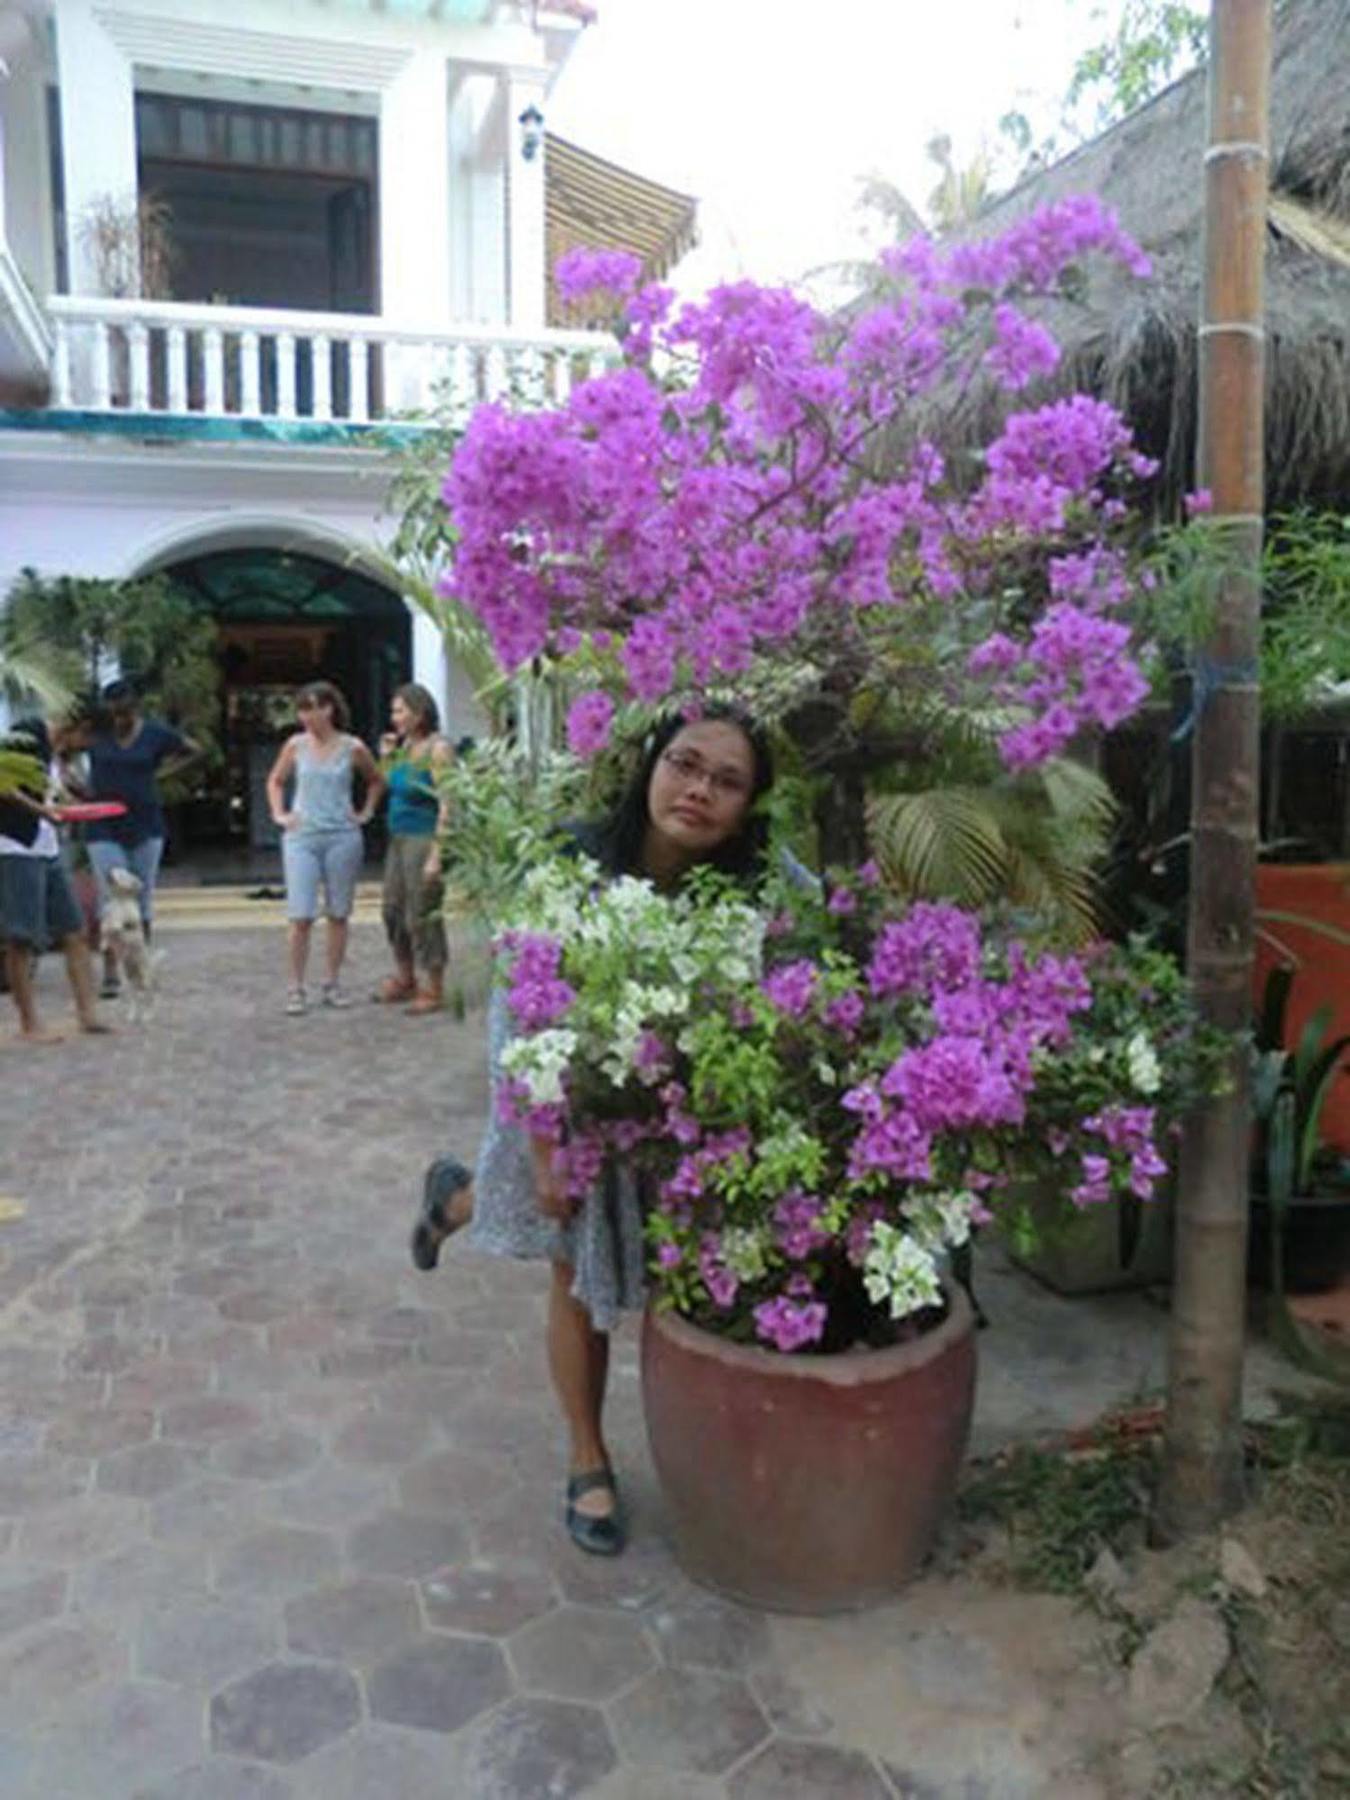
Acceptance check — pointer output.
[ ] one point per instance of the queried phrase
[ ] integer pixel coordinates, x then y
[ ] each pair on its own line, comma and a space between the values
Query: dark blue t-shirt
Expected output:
126, 772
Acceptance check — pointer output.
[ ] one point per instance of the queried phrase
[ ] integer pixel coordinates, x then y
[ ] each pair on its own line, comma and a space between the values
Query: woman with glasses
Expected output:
692, 801
321, 844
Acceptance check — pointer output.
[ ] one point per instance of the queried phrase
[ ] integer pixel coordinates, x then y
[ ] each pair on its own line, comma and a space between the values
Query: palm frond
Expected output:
20, 773
34, 672
940, 844
1035, 841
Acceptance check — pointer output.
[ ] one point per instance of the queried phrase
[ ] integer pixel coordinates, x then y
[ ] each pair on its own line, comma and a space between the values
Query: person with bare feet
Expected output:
692, 801
38, 907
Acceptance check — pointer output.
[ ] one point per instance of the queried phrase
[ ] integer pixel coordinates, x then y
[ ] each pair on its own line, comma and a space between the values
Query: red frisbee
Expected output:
84, 812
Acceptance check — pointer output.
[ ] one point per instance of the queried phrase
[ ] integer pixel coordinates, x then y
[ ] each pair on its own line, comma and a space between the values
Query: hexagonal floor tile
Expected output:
268, 1455
488, 1595
354, 1622
438, 1684
532, 1747
689, 1719
209, 1417
95, 1430
147, 1470
25, 1603
284, 1711
456, 1478
203, 1645
279, 1560
381, 1438
580, 1653
408, 1544
704, 1633
221, 1779
801, 1771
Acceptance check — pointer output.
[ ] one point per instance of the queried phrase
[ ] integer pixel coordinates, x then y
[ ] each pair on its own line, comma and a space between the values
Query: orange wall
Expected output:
1315, 891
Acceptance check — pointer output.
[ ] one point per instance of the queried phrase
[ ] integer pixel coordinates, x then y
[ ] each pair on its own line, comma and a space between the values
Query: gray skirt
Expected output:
603, 1239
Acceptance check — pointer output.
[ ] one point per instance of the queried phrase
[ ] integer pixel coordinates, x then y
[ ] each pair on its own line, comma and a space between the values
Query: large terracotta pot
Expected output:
807, 1483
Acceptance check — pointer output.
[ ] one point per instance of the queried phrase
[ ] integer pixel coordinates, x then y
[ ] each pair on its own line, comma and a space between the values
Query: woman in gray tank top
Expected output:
321, 845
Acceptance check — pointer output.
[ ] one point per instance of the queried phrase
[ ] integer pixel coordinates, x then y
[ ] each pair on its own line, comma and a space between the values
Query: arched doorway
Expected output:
285, 616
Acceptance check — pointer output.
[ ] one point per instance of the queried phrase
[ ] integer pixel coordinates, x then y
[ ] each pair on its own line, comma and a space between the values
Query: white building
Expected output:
235, 242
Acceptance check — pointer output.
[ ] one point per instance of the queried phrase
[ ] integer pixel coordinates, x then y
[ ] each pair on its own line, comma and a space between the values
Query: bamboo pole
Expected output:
1202, 1456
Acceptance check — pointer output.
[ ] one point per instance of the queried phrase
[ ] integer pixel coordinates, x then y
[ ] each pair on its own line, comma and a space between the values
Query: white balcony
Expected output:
184, 361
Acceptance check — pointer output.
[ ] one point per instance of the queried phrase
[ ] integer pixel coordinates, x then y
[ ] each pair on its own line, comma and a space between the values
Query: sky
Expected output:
769, 111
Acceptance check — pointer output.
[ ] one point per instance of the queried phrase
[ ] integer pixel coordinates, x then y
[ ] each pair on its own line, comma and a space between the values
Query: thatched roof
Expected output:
597, 205
1135, 342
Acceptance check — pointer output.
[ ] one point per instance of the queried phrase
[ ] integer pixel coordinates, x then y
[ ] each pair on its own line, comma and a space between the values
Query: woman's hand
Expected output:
550, 1192
286, 821
389, 743
431, 868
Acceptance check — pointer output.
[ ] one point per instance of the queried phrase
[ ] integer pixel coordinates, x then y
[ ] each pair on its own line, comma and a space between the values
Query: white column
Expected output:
429, 662
415, 193
472, 100
98, 131
525, 249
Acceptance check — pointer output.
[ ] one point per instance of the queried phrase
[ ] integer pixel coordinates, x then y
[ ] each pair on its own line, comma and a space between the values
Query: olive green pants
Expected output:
412, 905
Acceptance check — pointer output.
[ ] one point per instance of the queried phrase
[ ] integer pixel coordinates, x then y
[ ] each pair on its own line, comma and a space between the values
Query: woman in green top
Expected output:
412, 753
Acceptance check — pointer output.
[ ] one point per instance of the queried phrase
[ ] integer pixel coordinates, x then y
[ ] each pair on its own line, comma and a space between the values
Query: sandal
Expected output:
424, 1003
444, 1179
599, 1534
391, 990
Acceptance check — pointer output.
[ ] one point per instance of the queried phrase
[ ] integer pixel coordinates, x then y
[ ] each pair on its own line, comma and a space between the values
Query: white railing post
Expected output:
138, 359
496, 374
213, 369
60, 364
250, 374
176, 368
358, 381
100, 369
285, 375
463, 392
321, 367
560, 370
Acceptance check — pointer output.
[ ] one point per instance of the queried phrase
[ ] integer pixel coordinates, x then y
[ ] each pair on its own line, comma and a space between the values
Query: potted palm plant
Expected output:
1300, 1197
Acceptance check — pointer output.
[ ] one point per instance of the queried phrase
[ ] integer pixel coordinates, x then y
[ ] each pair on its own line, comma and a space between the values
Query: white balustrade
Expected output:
61, 365
179, 360
250, 374
358, 381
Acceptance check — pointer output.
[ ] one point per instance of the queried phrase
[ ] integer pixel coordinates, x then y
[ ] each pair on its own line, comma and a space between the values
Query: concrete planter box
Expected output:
1123, 1244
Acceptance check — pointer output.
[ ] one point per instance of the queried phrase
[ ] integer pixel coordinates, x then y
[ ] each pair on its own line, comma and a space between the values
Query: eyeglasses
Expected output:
727, 784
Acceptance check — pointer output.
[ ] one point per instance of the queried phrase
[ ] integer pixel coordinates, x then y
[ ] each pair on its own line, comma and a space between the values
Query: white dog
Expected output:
124, 934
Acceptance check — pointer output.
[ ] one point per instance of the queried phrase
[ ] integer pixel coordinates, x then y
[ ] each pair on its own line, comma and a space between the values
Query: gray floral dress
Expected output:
602, 1241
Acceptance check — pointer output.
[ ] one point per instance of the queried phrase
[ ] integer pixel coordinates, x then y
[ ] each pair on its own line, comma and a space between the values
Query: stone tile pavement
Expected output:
279, 1516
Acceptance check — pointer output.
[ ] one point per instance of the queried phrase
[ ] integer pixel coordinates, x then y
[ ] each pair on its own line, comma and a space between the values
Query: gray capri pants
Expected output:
330, 858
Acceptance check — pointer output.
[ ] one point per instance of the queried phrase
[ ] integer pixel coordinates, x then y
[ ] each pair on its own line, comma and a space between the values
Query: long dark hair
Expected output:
616, 841
421, 705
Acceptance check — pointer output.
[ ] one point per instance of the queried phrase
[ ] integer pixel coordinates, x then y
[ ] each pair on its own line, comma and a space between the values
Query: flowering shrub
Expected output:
759, 485
1108, 1105
824, 1106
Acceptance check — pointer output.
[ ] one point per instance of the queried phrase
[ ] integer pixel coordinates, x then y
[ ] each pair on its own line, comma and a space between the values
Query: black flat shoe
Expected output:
444, 1179
597, 1534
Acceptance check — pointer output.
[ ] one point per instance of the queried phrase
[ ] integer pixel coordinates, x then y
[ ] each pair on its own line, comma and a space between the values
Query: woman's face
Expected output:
401, 716
701, 787
315, 716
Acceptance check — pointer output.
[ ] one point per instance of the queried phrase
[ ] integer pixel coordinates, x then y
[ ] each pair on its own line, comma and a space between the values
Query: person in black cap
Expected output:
125, 761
